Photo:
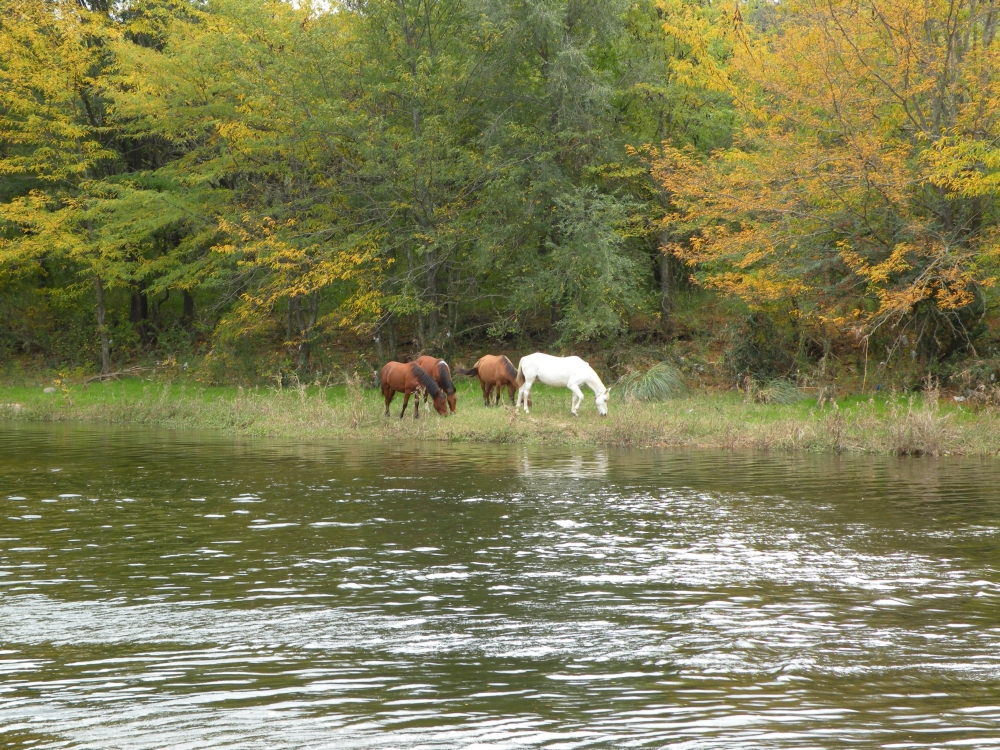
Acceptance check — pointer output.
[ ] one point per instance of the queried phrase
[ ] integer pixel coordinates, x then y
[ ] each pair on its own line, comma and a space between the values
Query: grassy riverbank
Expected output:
905, 425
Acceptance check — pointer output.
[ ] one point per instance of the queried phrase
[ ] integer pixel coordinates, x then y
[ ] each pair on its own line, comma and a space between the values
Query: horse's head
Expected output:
602, 402
452, 399
441, 403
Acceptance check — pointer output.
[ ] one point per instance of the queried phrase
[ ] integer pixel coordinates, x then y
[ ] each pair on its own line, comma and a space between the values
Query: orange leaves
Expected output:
879, 273
865, 173
758, 289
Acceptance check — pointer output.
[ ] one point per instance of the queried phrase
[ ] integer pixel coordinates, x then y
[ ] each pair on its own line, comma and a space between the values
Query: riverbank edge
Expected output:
912, 424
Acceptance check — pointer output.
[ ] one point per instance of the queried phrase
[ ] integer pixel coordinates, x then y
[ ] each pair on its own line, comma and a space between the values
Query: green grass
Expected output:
905, 424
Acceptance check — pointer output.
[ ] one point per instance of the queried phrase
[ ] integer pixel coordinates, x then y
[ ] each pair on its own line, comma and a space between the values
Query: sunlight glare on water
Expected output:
170, 589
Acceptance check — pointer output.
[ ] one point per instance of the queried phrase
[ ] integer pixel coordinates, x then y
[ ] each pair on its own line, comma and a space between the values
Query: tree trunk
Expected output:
155, 309
308, 314
669, 273
289, 320
390, 329
139, 312
666, 294
431, 295
101, 328
187, 317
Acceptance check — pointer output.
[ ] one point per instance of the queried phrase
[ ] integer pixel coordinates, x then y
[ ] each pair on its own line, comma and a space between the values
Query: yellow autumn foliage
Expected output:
863, 181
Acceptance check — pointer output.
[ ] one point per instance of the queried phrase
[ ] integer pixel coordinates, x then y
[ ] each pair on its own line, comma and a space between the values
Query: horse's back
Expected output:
544, 367
555, 371
541, 359
493, 368
426, 363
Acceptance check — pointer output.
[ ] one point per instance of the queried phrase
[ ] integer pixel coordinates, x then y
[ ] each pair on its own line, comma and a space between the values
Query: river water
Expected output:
183, 590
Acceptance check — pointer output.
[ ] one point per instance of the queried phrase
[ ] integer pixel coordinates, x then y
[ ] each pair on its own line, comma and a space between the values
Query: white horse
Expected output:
568, 372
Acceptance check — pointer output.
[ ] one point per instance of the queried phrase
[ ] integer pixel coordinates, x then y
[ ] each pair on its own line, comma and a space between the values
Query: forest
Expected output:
256, 188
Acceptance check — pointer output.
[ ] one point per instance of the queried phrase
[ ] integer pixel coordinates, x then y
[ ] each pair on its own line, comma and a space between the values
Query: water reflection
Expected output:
591, 464
258, 594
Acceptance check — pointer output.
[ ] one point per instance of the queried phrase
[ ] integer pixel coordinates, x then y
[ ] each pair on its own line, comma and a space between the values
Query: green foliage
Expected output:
255, 177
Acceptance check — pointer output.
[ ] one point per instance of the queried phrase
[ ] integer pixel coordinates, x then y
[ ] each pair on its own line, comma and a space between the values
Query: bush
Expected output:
757, 349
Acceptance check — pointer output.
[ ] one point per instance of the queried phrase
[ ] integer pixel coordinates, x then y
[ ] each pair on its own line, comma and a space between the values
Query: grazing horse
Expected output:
397, 377
439, 370
494, 372
569, 372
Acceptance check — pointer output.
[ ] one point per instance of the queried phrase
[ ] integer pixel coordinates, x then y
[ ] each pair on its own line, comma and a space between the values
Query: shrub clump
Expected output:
757, 349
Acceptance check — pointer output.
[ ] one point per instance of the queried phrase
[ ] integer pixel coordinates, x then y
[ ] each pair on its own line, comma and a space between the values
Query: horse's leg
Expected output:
406, 400
577, 398
517, 399
511, 388
524, 394
486, 393
389, 394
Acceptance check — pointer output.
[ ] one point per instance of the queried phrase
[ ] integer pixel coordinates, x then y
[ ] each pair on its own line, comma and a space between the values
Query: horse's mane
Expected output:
445, 375
511, 370
426, 380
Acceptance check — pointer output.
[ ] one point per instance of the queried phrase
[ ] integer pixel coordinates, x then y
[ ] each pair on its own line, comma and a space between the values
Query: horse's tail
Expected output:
519, 380
425, 380
509, 367
444, 377
472, 371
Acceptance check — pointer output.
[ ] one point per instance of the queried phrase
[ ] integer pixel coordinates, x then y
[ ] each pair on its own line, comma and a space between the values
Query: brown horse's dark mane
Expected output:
444, 374
511, 370
426, 381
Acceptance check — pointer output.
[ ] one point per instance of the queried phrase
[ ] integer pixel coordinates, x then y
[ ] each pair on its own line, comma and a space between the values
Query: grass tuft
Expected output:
660, 382
780, 391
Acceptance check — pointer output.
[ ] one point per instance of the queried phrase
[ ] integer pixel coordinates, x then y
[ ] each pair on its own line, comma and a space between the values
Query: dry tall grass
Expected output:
912, 426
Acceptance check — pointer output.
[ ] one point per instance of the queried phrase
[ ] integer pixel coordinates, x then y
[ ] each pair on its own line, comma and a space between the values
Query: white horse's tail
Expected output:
520, 375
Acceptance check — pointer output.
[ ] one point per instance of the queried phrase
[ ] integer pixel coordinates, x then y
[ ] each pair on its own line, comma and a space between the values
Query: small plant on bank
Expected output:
774, 391
660, 382
356, 408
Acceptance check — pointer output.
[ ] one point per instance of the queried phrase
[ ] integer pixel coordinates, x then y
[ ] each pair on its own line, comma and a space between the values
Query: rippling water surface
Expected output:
176, 590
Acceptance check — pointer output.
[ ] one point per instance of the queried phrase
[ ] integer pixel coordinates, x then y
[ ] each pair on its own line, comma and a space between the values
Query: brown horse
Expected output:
439, 370
494, 372
397, 377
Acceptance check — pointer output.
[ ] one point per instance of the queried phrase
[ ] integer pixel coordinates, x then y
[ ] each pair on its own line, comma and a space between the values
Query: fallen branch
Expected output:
116, 375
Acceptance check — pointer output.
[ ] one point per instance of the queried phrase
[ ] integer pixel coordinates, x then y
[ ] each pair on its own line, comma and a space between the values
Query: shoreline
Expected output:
910, 424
